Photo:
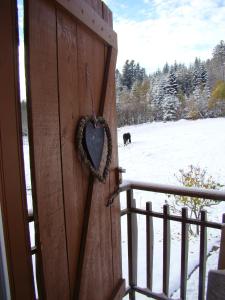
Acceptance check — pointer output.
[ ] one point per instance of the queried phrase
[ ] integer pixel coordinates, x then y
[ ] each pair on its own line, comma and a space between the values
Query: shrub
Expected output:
195, 177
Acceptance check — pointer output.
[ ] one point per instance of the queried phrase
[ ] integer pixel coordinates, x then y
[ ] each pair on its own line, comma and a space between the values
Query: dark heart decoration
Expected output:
94, 142
90, 139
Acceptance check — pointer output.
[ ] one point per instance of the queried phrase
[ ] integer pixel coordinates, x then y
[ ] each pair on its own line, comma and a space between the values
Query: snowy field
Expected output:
157, 152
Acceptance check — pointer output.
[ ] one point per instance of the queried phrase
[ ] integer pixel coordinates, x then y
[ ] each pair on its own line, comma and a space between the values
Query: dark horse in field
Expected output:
126, 138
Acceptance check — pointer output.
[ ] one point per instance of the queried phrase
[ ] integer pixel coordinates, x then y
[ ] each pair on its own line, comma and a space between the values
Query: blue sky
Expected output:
155, 31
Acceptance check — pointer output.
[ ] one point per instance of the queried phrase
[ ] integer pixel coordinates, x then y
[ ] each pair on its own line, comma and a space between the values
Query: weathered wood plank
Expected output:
43, 108
107, 15
99, 236
90, 18
96, 6
12, 183
110, 115
119, 290
74, 197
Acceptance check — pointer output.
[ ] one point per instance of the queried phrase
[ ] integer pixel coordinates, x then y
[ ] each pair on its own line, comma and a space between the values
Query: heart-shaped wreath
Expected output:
90, 140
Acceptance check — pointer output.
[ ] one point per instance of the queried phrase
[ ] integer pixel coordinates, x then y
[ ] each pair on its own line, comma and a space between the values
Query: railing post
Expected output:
202, 256
223, 218
184, 253
221, 262
166, 249
132, 243
149, 246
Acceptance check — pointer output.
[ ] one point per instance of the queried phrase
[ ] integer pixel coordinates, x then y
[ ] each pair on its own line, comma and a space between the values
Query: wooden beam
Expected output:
87, 16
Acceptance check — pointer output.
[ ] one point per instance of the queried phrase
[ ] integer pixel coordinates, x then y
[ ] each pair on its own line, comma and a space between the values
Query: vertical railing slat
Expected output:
221, 261
166, 249
132, 243
184, 253
149, 246
223, 218
202, 256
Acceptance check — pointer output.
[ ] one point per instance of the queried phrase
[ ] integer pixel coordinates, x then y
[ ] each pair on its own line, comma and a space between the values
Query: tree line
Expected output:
177, 91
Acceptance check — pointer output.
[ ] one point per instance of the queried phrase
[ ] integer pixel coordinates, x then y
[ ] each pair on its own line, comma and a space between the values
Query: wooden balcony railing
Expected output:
132, 228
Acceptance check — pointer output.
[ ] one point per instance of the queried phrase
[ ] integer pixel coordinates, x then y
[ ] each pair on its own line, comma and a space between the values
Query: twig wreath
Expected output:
90, 141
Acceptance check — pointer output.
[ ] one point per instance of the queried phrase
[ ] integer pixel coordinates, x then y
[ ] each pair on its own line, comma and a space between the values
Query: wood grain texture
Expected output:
96, 5
90, 18
107, 15
119, 290
45, 146
69, 116
79, 96
68, 67
12, 182
98, 253
110, 114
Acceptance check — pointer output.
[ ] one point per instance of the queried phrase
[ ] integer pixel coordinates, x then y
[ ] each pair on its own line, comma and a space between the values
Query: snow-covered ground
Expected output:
157, 152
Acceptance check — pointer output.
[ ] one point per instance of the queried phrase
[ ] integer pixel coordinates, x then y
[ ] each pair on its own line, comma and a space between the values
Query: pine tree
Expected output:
157, 95
171, 87
166, 68
128, 74
219, 58
201, 97
170, 108
197, 79
204, 75
132, 72
171, 104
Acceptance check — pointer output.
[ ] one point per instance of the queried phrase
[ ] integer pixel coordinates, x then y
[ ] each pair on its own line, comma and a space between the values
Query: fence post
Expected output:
149, 246
202, 256
132, 243
184, 253
166, 249
221, 262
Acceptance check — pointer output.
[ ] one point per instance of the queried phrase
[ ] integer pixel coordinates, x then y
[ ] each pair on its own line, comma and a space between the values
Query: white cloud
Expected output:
178, 31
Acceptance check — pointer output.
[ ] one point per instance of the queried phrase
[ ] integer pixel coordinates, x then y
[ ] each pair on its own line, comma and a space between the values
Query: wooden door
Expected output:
70, 56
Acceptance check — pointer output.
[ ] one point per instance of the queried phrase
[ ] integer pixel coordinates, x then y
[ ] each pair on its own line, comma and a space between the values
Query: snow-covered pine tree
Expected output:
171, 102
219, 59
201, 97
128, 74
204, 75
170, 107
139, 73
197, 79
201, 93
157, 95
171, 86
